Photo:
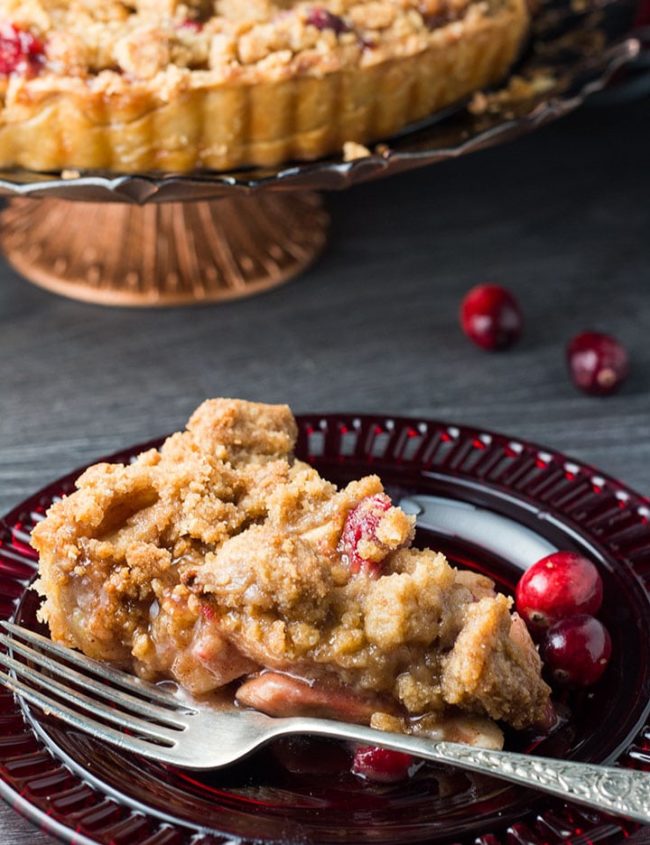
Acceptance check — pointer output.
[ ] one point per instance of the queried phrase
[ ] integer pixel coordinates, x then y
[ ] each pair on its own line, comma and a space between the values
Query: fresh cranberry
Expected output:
322, 19
598, 363
490, 316
381, 764
20, 51
192, 25
560, 585
361, 525
208, 612
576, 650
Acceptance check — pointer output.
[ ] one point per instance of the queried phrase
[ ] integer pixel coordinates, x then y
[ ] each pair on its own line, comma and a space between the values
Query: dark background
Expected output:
562, 218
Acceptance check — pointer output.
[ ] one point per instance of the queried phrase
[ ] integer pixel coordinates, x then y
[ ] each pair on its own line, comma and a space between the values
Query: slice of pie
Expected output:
222, 560
142, 85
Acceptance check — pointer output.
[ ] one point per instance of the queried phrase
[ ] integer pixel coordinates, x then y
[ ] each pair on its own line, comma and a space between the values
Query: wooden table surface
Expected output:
561, 217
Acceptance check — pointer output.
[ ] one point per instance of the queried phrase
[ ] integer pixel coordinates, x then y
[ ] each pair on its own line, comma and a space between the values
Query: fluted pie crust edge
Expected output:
222, 126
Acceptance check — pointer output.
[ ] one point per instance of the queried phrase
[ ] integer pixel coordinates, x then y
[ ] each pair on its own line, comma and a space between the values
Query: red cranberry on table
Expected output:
380, 764
598, 363
557, 586
322, 19
490, 316
576, 650
20, 50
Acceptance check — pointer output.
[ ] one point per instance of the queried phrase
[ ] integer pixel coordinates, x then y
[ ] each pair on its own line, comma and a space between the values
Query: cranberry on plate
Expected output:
557, 586
598, 363
576, 650
490, 316
381, 764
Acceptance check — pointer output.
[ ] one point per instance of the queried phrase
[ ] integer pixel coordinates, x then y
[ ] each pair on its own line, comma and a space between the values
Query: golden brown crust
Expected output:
262, 106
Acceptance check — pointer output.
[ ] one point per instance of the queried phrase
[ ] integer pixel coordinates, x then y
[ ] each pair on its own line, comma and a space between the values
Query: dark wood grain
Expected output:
562, 218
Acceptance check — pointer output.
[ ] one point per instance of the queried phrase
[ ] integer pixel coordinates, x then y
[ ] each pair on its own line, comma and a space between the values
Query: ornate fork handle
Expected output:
623, 792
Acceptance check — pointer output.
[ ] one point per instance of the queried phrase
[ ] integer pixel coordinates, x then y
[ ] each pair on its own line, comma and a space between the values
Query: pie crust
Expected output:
147, 86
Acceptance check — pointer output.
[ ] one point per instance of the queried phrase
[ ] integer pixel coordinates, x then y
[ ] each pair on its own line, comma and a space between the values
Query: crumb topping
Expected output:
110, 42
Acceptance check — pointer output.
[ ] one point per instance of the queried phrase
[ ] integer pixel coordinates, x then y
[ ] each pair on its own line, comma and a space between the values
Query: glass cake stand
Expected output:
154, 240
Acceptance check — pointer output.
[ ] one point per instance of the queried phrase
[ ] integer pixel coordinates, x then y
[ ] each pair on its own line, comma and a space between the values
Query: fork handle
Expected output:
623, 792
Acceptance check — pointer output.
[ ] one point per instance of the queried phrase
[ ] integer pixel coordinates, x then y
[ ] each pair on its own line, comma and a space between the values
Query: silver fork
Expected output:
138, 717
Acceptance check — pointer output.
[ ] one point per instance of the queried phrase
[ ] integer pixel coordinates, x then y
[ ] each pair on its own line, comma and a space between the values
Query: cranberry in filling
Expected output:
192, 25
20, 50
359, 540
322, 19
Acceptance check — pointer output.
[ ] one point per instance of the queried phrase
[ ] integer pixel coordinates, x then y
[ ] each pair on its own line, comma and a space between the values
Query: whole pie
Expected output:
136, 85
224, 563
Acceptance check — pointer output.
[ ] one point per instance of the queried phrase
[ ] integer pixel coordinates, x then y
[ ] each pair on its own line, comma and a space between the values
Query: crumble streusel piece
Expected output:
222, 558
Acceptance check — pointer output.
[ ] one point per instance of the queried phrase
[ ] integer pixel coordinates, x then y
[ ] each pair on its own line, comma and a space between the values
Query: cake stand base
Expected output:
167, 254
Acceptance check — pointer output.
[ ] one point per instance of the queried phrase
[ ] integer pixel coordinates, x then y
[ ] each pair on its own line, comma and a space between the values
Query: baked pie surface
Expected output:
220, 560
169, 86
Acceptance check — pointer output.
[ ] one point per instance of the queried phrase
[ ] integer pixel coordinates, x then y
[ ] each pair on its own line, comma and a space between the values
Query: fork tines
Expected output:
90, 695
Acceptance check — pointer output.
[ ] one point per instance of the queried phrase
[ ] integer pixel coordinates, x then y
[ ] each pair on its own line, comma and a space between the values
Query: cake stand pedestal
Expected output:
171, 253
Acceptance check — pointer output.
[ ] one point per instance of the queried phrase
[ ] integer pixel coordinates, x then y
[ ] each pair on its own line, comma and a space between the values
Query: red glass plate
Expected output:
508, 495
